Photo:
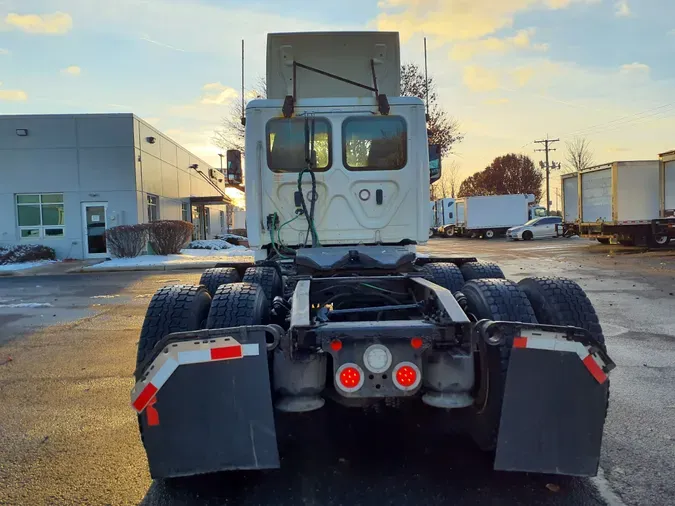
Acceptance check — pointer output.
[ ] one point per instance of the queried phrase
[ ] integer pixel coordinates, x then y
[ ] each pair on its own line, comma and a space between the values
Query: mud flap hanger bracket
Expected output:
494, 333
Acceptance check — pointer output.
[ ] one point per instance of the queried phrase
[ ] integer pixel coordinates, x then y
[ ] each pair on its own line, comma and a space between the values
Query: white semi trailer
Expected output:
624, 201
338, 309
490, 216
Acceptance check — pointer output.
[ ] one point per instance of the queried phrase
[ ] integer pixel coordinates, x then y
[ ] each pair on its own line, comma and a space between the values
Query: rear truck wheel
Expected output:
449, 232
481, 270
213, 278
268, 278
178, 308
559, 301
445, 274
527, 236
603, 240
497, 300
489, 234
238, 304
659, 240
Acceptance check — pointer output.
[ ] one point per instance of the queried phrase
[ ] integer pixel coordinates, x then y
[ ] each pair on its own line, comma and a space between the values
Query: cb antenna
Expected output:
243, 116
426, 77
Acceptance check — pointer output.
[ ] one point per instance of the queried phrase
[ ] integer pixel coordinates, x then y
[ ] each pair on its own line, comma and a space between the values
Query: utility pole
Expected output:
547, 143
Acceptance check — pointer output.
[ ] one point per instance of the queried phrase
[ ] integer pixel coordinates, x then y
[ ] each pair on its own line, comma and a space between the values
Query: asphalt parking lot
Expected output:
67, 350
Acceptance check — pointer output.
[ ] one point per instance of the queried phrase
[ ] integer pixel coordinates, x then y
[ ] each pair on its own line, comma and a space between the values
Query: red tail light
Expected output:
349, 378
407, 376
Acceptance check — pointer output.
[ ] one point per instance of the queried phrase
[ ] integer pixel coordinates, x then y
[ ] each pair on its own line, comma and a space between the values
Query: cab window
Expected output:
286, 144
374, 143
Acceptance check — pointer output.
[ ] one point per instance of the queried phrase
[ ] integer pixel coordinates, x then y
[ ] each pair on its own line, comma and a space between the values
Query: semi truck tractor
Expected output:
444, 216
336, 312
629, 202
492, 215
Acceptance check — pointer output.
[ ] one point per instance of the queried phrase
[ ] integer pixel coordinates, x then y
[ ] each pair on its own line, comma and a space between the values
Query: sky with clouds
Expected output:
510, 71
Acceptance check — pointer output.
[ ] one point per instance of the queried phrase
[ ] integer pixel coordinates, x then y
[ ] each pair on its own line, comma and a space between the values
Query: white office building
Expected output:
64, 179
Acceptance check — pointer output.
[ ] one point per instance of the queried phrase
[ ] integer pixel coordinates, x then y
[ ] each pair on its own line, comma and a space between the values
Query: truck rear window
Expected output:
286, 144
374, 143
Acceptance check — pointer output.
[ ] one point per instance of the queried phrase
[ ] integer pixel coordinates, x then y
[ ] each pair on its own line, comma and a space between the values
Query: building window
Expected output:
185, 211
153, 208
40, 215
222, 220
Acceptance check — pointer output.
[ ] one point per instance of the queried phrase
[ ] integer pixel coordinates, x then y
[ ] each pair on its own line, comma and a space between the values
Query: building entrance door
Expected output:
95, 224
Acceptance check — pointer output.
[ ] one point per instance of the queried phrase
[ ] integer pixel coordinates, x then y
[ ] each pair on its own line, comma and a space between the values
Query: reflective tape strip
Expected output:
552, 341
185, 353
226, 352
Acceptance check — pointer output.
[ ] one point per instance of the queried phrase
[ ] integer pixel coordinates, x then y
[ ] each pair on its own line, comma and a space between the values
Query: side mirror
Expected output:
434, 162
234, 165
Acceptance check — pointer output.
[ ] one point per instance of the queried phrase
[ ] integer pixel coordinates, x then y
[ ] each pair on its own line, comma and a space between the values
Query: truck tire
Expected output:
528, 236
489, 234
659, 240
177, 308
449, 232
213, 278
481, 270
445, 274
497, 300
627, 242
559, 301
268, 278
603, 240
238, 304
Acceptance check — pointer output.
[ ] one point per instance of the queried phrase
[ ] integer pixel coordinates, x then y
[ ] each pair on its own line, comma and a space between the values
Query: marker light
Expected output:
349, 378
336, 345
377, 358
417, 342
407, 376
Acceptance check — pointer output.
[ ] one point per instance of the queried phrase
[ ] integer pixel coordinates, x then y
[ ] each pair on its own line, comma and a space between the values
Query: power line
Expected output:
622, 120
547, 147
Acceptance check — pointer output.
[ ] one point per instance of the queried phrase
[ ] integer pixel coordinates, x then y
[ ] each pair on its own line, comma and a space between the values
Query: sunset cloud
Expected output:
57, 23
480, 79
522, 40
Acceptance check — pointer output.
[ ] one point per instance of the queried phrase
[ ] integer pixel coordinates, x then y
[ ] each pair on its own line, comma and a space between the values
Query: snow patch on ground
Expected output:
187, 257
26, 305
212, 244
24, 265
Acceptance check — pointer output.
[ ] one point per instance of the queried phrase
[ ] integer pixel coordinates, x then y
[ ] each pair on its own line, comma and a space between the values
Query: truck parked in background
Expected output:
443, 216
490, 216
624, 201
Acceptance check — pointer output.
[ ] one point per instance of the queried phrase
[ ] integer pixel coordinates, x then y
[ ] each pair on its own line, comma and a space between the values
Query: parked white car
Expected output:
537, 228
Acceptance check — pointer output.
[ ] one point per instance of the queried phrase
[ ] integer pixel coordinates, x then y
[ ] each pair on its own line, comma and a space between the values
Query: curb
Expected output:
134, 268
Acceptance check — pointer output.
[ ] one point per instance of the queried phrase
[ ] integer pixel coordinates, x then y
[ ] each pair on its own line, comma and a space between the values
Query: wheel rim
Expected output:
661, 239
489, 234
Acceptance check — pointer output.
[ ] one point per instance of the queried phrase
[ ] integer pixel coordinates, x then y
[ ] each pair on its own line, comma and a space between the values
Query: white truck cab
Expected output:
369, 180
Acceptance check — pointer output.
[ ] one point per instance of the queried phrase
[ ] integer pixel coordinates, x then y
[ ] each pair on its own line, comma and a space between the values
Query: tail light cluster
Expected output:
377, 358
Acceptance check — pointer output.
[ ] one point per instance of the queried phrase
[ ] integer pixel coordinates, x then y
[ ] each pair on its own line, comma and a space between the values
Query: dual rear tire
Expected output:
549, 301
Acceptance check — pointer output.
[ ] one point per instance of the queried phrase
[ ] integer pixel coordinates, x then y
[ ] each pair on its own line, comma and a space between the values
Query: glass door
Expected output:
95, 224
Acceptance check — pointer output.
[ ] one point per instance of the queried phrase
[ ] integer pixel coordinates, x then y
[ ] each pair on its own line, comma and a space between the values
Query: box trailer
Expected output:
622, 201
667, 180
489, 216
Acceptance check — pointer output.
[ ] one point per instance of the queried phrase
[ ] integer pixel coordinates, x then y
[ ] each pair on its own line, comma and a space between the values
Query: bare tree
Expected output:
448, 184
578, 155
443, 129
232, 133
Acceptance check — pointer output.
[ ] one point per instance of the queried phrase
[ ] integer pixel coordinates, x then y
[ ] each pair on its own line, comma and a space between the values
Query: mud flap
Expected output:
213, 415
553, 413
